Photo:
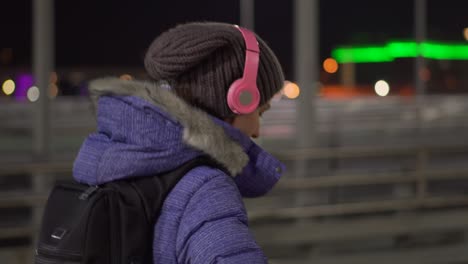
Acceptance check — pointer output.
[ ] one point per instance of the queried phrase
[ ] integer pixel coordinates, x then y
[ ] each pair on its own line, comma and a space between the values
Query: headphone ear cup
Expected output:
242, 98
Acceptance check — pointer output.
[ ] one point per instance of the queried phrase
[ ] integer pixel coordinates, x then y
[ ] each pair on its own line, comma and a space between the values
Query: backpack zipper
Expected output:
88, 192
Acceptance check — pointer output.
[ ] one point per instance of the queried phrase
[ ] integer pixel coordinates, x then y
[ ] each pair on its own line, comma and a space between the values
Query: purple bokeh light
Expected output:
23, 83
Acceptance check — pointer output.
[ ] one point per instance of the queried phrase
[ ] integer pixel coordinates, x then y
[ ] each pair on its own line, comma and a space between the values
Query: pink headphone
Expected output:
243, 96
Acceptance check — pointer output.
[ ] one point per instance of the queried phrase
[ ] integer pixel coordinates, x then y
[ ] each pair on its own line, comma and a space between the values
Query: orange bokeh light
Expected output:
291, 90
126, 77
330, 65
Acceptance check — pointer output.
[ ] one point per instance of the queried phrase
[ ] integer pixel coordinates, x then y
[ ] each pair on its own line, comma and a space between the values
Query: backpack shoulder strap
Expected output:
153, 190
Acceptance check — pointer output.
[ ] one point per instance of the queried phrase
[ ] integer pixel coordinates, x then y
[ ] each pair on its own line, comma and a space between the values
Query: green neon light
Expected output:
401, 49
444, 51
364, 54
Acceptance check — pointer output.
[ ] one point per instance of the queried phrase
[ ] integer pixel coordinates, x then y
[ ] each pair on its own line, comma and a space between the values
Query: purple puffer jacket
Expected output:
144, 129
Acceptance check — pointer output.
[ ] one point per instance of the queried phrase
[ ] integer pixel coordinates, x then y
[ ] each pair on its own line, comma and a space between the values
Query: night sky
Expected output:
117, 32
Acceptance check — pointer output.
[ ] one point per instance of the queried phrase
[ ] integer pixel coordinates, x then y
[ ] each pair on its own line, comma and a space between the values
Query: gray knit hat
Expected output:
201, 60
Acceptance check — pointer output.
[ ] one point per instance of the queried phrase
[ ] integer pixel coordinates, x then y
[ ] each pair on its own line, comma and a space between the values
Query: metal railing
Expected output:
421, 176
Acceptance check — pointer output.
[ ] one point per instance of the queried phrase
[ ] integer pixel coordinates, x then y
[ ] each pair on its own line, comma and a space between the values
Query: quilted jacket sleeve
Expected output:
214, 229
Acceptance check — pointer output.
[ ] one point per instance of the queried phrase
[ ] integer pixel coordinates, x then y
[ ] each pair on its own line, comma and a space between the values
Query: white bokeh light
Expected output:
33, 94
382, 88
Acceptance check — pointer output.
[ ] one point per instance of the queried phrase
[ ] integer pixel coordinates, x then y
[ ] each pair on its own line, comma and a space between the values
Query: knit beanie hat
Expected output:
201, 60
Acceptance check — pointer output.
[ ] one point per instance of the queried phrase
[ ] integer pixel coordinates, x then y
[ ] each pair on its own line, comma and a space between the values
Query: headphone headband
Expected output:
243, 95
251, 54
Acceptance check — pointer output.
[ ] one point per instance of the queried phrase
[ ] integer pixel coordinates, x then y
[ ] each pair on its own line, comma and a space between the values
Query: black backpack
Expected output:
110, 223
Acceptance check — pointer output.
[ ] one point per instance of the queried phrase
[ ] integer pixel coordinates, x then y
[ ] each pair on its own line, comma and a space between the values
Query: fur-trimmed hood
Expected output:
145, 129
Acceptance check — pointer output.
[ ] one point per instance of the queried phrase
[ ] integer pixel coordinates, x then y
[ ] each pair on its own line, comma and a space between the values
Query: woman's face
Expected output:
249, 124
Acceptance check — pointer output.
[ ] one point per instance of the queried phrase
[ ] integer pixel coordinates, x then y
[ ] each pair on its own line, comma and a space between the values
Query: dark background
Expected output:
117, 32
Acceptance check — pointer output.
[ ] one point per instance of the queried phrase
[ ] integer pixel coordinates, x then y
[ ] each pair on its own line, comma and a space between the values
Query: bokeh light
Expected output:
425, 74
8, 87
330, 65
382, 88
33, 94
126, 77
53, 78
6, 55
23, 83
291, 90
53, 90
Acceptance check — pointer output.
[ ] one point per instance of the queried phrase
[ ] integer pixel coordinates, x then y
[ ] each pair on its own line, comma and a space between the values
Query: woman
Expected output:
145, 128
